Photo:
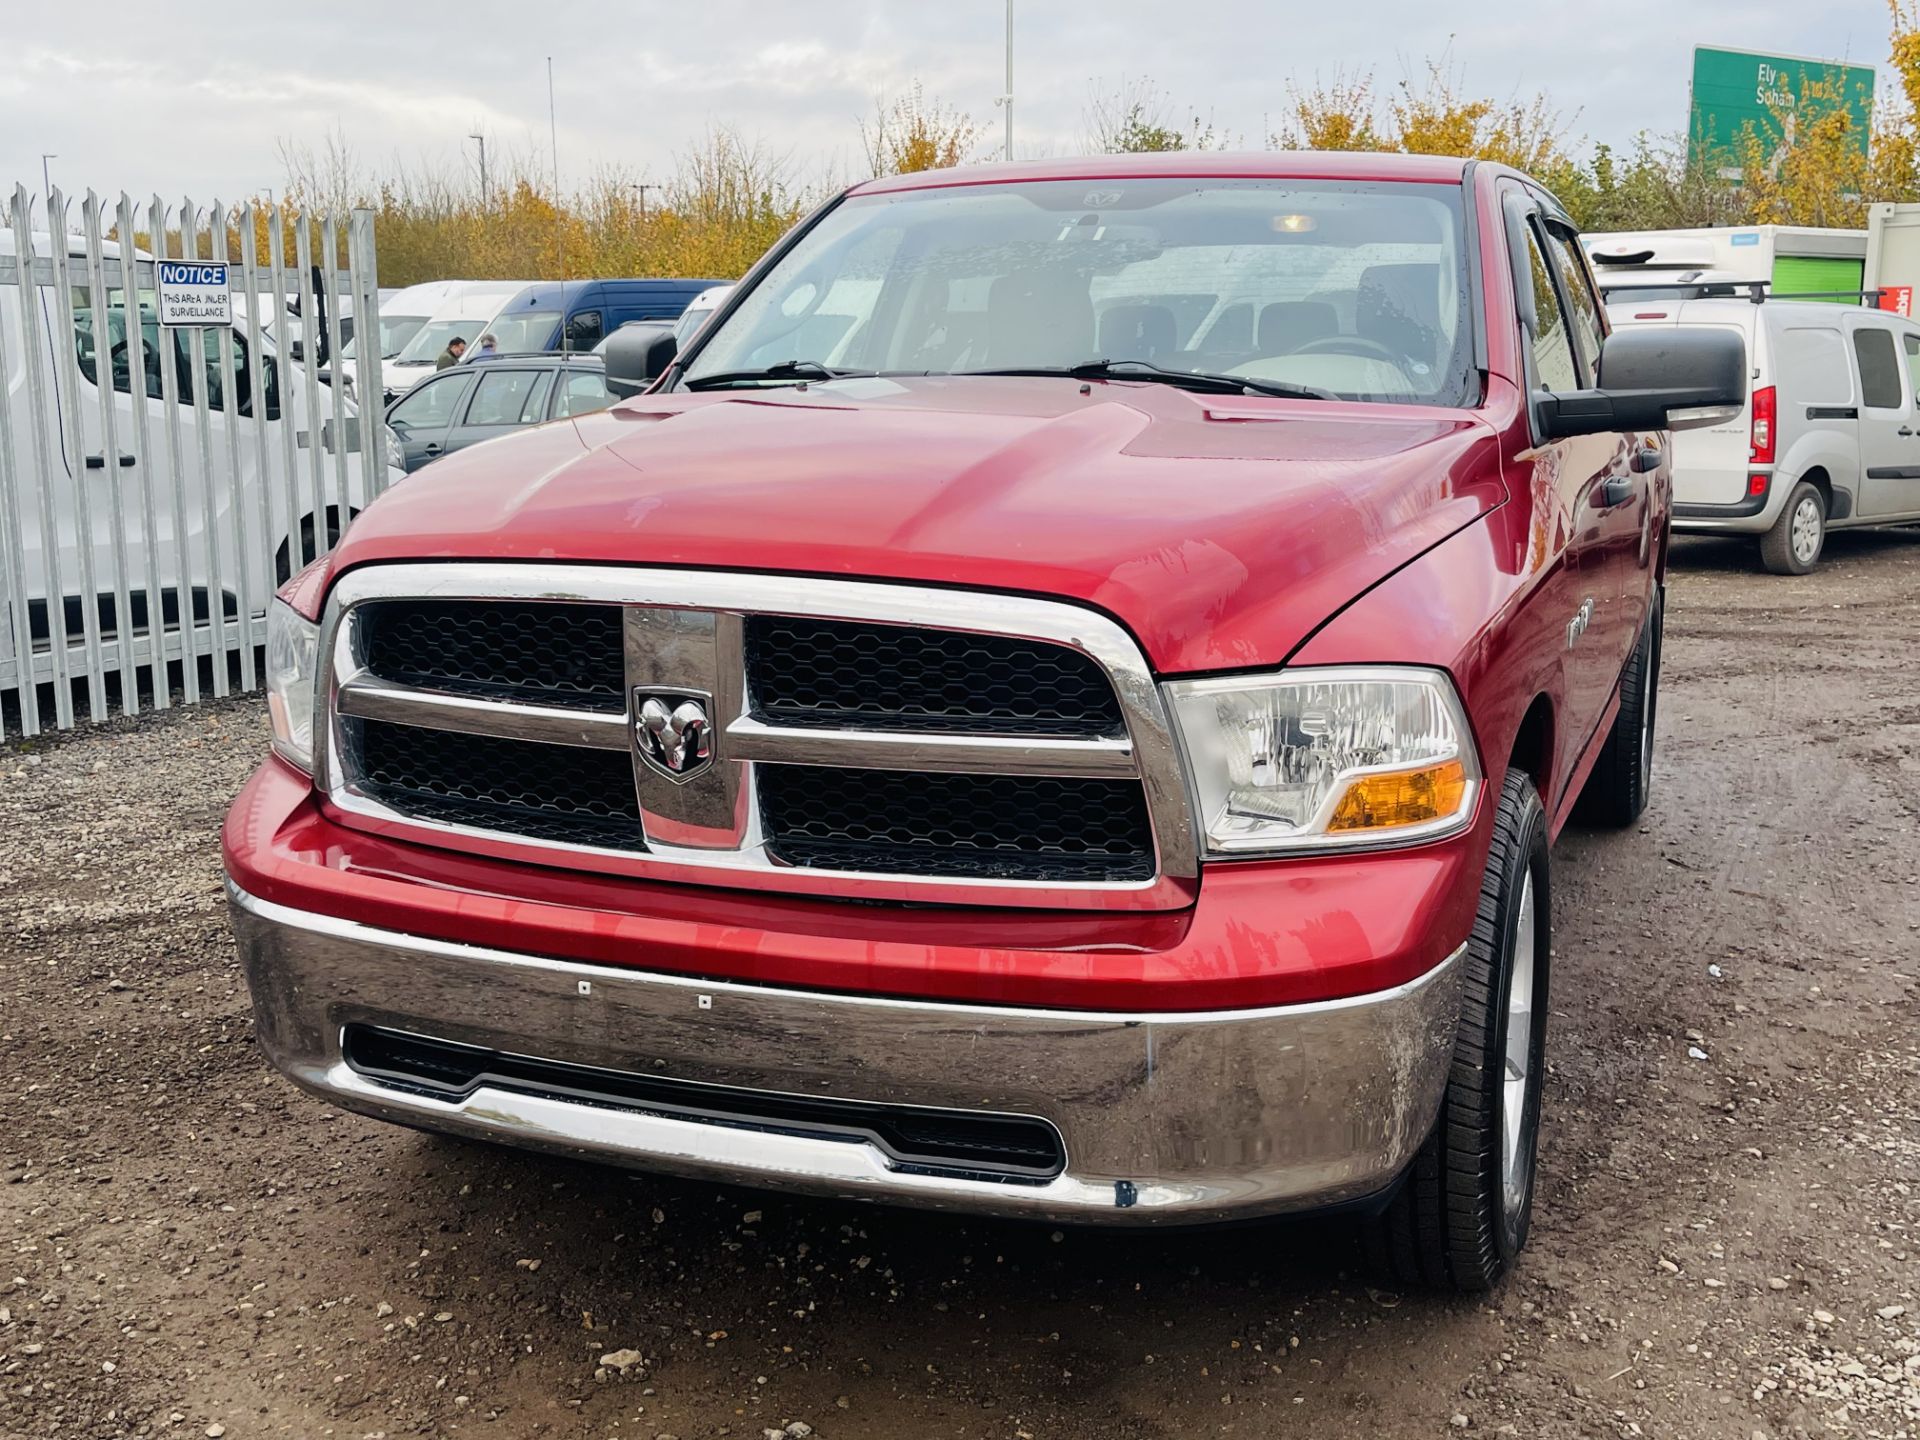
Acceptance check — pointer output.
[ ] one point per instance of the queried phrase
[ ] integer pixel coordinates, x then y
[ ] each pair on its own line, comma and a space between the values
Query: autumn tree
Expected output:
1134, 117
914, 131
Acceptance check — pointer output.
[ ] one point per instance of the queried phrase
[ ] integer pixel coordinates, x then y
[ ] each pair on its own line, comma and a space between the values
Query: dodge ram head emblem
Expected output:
674, 731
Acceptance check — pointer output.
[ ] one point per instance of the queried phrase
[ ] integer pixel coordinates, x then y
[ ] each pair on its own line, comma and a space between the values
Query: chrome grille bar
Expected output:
368, 698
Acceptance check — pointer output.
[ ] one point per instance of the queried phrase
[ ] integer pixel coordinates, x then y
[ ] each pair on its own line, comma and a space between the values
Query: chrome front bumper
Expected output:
1165, 1117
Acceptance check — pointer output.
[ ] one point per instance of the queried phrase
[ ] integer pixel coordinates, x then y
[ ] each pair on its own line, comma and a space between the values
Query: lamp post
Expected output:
481, 141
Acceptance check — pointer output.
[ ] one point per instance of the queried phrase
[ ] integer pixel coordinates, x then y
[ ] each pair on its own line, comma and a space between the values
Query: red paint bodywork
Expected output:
1225, 533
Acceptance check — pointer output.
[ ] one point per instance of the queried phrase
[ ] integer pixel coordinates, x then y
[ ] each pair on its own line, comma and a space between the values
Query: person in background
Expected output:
488, 348
450, 356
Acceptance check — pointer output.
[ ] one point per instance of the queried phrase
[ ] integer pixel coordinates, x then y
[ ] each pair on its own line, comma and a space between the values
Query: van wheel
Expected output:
1617, 787
1463, 1208
1793, 545
283, 558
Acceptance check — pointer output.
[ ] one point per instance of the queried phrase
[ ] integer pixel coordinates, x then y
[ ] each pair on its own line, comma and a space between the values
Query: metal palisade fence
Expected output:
159, 480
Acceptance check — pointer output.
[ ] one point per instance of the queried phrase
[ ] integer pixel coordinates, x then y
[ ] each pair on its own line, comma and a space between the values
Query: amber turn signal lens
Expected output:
1401, 797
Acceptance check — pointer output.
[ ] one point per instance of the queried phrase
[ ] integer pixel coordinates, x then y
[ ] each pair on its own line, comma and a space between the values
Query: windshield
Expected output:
529, 330
395, 332
1353, 287
434, 336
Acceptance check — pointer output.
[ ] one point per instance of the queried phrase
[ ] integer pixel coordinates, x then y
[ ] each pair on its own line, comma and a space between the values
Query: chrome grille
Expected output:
1048, 780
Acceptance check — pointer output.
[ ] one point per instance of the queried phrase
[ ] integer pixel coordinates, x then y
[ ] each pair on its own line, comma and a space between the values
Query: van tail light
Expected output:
1761, 452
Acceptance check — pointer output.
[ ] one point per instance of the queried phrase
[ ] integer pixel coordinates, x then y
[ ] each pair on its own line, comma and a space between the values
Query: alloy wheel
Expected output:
1515, 1162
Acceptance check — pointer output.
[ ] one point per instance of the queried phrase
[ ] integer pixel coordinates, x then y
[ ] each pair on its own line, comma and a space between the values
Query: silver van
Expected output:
1829, 439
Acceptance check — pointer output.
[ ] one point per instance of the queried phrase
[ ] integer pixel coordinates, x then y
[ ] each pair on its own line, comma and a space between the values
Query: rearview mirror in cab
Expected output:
1656, 378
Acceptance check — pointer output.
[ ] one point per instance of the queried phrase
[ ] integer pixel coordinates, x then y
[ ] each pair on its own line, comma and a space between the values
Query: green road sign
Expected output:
1738, 90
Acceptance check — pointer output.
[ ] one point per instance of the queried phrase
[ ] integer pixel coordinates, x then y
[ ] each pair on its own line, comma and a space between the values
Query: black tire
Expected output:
1785, 551
283, 558
1616, 791
1456, 1223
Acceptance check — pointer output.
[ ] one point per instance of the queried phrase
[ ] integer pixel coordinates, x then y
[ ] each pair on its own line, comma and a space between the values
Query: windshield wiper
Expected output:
1203, 381
785, 370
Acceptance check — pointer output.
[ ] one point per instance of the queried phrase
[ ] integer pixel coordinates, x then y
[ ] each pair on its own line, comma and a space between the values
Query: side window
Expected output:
1880, 386
582, 393
507, 397
432, 403
1912, 344
1554, 365
1588, 329
584, 330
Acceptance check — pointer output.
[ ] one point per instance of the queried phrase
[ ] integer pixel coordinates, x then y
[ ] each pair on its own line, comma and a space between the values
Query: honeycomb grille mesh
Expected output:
562, 793
537, 652
1004, 827
824, 673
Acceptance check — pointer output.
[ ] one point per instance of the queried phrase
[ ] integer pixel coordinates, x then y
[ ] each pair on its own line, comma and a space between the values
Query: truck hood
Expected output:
1222, 531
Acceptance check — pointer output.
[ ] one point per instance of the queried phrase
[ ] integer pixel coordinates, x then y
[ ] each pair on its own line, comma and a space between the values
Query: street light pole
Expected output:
481, 140
1007, 99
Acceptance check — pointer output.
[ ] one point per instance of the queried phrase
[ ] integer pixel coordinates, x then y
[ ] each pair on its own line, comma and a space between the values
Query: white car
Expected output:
699, 310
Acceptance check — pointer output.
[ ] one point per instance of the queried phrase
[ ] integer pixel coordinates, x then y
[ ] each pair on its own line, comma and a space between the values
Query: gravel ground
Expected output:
1726, 1242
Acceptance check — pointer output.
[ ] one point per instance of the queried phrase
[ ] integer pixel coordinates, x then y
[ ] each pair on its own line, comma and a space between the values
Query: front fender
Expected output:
1463, 607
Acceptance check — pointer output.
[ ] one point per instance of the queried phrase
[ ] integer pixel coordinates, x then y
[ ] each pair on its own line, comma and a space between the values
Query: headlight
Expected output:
293, 653
1319, 759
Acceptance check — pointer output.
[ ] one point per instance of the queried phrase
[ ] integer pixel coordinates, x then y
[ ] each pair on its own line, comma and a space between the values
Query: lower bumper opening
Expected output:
959, 1143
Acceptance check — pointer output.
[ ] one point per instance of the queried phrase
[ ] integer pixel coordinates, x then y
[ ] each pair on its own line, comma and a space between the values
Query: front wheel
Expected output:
1463, 1209
1793, 545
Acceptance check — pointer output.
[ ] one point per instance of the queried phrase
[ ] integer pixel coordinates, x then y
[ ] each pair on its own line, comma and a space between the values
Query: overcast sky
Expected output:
196, 97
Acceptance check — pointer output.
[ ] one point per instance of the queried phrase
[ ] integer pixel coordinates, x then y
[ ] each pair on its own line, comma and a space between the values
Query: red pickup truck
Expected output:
1054, 705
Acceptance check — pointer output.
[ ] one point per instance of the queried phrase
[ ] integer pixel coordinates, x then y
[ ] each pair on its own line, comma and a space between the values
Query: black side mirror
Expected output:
1654, 377
638, 355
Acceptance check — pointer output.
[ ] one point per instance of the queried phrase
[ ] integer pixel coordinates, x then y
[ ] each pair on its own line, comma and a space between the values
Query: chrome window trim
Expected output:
1148, 750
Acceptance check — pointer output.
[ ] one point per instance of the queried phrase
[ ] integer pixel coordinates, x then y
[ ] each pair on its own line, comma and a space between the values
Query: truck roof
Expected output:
1251, 164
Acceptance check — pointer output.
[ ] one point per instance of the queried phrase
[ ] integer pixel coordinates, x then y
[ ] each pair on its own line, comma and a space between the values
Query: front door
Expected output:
422, 418
1575, 495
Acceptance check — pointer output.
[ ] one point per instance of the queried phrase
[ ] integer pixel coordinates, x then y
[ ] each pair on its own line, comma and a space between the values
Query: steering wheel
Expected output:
1351, 345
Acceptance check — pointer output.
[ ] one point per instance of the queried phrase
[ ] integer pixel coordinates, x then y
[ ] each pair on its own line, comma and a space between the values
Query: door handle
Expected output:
1904, 430
99, 462
431, 448
1617, 490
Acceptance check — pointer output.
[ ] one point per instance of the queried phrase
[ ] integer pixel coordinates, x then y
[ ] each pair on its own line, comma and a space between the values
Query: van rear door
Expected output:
1710, 466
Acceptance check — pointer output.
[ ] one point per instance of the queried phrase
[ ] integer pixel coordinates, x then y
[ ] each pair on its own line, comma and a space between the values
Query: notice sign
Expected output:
193, 292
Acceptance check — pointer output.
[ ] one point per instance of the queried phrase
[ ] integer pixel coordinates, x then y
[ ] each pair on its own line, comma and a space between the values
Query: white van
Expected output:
276, 520
403, 314
1829, 439
466, 311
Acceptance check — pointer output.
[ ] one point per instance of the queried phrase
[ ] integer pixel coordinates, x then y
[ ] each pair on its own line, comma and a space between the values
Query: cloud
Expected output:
121, 104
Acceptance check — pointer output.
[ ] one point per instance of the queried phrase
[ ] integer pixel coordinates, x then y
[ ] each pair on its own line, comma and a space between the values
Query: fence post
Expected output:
363, 268
44, 459
12, 533
170, 403
143, 458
